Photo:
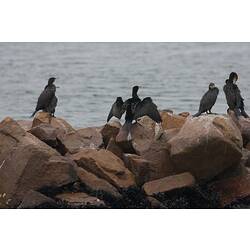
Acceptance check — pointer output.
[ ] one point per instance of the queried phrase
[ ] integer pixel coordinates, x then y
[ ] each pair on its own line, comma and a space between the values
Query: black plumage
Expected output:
208, 100
117, 109
234, 99
47, 100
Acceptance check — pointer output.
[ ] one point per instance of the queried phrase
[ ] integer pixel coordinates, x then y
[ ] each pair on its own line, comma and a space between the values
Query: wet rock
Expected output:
142, 169
105, 165
110, 130
232, 189
96, 185
206, 146
168, 184
80, 200
170, 121
27, 163
34, 199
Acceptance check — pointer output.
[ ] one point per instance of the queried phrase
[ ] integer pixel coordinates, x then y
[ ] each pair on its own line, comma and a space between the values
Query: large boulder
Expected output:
92, 136
25, 124
206, 146
105, 165
96, 185
170, 120
26, 163
169, 184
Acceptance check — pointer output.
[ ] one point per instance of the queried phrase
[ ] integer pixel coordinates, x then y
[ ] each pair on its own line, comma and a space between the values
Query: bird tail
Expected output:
197, 114
33, 114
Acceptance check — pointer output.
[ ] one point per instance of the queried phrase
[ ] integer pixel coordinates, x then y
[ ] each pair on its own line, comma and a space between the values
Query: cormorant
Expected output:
234, 99
208, 100
117, 109
135, 108
47, 100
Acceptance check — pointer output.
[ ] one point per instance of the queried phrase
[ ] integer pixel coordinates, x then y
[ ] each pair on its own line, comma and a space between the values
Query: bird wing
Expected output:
116, 110
148, 108
208, 100
44, 99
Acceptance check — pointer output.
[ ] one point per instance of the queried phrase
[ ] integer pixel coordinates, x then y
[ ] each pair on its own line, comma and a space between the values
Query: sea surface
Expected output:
92, 75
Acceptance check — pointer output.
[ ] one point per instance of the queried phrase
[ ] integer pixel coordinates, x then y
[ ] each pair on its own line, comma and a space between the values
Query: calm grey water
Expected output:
92, 75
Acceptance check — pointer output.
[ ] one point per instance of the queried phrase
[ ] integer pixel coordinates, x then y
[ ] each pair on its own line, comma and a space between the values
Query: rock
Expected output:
26, 163
25, 124
154, 203
80, 200
59, 124
46, 133
232, 189
92, 136
142, 169
159, 154
34, 199
170, 133
206, 146
110, 130
105, 165
95, 184
142, 136
114, 148
168, 184
171, 120
184, 114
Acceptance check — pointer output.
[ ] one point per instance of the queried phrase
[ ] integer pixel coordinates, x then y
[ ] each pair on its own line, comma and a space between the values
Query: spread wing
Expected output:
116, 110
148, 108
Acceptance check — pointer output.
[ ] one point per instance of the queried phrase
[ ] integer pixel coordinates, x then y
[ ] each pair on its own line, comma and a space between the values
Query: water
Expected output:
92, 75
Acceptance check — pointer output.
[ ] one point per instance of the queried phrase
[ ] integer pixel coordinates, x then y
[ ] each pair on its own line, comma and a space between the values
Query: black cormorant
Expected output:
234, 99
47, 100
208, 100
117, 109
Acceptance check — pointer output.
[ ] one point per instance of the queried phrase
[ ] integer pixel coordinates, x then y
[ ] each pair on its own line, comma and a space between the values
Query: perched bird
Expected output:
135, 108
208, 100
234, 99
117, 109
47, 100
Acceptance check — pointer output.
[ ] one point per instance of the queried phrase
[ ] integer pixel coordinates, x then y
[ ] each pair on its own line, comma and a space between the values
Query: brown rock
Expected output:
206, 146
59, 124
159, 154
96, 184
92, 136
110, 130
232, 189
25, 124
80, 200
46, 133
142, 169
105, 165
168, 184
184, 114
34, 199
171, 120
114, 148
170, 133
27, 163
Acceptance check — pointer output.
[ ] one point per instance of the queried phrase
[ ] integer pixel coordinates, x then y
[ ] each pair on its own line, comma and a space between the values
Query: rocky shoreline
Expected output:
201, 162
